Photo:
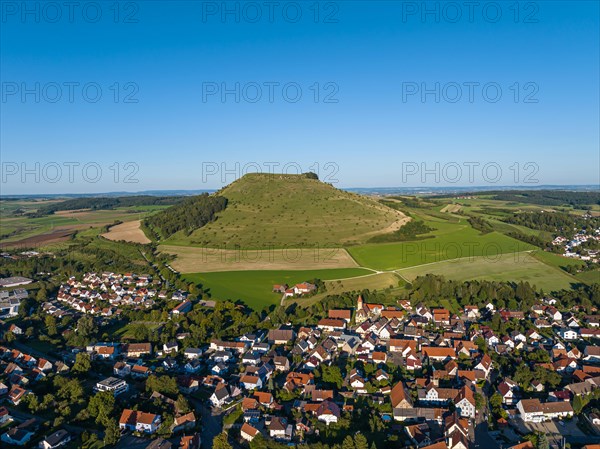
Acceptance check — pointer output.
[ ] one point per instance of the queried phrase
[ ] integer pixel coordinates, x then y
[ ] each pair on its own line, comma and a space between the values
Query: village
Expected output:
433, 379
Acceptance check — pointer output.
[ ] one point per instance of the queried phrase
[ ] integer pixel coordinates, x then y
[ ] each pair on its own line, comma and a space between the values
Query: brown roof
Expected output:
399, 395
340, 313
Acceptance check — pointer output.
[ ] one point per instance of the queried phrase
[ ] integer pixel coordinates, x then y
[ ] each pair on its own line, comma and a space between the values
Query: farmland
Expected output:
255, 287
192, 259
449, 241
513, 267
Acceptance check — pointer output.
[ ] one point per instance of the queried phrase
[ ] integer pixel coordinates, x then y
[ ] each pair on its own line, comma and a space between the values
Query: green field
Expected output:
255, 287
19, 227
448, 241
505, 267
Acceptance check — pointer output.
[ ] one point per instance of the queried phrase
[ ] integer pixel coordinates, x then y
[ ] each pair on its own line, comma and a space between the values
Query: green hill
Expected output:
265, 210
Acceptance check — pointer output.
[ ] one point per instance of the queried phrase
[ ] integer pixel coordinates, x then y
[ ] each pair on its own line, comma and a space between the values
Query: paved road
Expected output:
483, 439
212, 422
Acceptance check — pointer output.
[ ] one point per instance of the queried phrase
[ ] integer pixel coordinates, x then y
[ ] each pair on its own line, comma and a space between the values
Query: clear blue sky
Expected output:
373, 55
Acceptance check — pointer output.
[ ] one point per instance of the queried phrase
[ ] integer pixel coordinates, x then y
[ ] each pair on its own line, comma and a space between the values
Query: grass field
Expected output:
513, 267
193, 260
255, 287
448, 241
284, 211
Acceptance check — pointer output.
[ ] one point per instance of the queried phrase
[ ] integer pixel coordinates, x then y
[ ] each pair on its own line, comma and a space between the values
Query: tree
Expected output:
221, 442
479, 401
182, 405
348, 443
51, 328
83, 363
496, 402
112, 433
360, 441
542, 442
101, 405
162, 384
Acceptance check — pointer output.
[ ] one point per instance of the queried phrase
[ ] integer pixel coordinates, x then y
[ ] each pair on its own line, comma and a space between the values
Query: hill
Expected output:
289, 211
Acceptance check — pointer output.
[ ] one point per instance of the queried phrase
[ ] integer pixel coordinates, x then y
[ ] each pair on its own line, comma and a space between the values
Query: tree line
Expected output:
188, 215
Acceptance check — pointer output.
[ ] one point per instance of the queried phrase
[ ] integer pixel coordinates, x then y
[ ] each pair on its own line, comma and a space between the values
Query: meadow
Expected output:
255, 287
514, 267
450, 240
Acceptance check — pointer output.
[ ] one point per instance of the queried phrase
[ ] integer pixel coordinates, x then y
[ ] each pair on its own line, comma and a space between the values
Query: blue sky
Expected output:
361, 121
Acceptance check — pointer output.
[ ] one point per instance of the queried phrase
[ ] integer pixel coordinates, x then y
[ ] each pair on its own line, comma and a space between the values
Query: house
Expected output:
4, 415
135, 350
281, 336
340, 314
328, 412
17, 436
170, 347
192, 353
568, 333
304, 288
281, 363
506, 391
247, 432
465, 403
484, 365
139, 421
331, 324
532, 410
121, 369
139, 371
277, 428
112, 384
250, 382
220, 396
181, 308
16, 394
439, 354
184, 422
190, 442
400, 397
56, 439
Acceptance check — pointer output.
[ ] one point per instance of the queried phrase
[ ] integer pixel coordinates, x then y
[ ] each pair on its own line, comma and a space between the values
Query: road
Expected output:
483, 439
212, 422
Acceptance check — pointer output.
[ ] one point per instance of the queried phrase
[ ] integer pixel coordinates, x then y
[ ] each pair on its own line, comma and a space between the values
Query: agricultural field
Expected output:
192, 259
255, 287
512, 267
129, 231
448, 241
22, 231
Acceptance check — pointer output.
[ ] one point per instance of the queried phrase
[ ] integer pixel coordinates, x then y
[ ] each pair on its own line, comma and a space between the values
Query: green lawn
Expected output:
448, 241
505, 267
255, 287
